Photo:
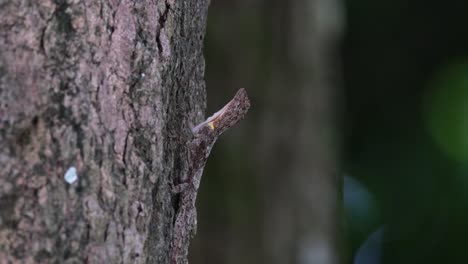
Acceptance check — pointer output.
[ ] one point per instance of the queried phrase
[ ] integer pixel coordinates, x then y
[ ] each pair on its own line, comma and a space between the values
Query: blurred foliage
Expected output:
405, 124
446, 110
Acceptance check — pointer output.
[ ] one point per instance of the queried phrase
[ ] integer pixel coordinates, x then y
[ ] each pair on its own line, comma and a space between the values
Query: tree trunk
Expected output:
302, 197
112, 89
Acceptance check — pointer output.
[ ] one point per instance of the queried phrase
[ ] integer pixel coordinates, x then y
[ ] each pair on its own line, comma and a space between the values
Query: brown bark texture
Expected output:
111, 88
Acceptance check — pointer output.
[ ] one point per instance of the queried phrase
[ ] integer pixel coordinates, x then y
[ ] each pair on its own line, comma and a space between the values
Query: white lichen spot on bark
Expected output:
71, 176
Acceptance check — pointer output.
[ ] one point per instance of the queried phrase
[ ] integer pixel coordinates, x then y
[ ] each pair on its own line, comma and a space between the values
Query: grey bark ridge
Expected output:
204, 136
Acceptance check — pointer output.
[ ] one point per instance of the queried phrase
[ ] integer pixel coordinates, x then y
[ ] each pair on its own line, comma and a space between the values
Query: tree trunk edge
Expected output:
111, 89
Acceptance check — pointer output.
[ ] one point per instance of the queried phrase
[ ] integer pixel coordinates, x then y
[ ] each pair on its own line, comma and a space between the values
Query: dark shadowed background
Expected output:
356, 146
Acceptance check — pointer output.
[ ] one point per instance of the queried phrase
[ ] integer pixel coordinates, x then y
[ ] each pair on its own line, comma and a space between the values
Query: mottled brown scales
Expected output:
204, 137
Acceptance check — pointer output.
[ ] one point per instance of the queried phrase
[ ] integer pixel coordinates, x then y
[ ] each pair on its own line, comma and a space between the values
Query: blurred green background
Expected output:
357, 136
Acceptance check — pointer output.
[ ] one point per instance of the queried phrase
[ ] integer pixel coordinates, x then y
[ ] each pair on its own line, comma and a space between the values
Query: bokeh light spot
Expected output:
446, 110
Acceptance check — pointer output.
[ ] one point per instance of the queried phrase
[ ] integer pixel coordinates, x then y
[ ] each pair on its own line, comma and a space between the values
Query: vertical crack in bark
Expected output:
111, 28
124, 155
161, 24
137, 63
43, 34
106, 232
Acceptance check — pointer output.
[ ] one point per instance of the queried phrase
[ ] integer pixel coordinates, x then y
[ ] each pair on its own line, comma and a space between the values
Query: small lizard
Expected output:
204, 137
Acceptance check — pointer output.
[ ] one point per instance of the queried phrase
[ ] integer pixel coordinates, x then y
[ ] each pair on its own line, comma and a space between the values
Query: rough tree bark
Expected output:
111, 88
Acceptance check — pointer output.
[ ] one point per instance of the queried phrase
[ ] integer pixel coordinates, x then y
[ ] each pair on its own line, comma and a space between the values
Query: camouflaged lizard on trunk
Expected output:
204, 137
